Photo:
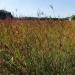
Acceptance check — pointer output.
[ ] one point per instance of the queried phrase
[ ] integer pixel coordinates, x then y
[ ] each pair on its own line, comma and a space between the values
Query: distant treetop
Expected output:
5, 14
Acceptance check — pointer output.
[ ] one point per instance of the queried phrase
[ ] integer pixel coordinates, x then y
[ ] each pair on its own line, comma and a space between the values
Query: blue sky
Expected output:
62, 8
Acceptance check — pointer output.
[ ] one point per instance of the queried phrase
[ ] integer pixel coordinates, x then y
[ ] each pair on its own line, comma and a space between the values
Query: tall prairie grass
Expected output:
37, 47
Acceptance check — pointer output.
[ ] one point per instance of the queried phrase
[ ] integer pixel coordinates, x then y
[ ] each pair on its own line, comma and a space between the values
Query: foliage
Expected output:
73, 17
5, 14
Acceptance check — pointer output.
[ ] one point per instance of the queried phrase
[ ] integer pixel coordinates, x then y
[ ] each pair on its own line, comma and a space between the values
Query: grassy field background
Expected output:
37, 47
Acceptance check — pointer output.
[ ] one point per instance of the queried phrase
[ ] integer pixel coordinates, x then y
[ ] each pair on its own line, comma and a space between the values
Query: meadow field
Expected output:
37, 47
